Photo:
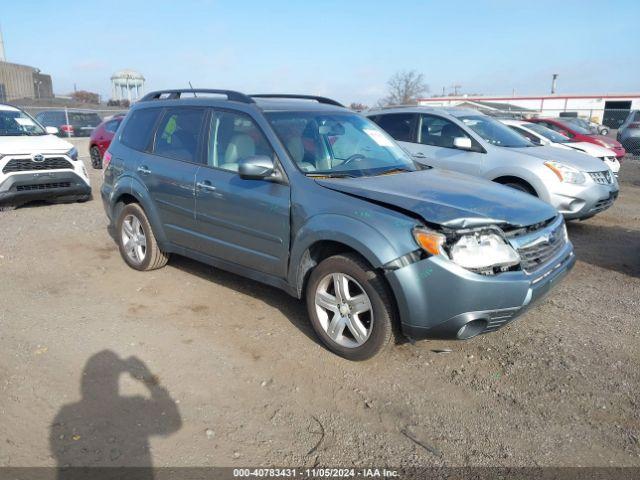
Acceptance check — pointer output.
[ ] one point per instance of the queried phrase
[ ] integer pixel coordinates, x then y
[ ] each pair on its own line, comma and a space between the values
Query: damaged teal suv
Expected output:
300, 193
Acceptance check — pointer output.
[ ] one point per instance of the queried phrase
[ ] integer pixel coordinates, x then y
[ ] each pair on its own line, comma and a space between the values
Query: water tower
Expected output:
127, 85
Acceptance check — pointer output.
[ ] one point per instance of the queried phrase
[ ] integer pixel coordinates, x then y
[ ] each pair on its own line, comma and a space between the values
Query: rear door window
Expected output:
112, 125
179, 133
139, 128
399, 125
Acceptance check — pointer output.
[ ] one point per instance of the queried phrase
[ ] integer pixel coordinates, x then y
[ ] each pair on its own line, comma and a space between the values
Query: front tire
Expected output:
521, 186
350, 307
96, 158
137, 244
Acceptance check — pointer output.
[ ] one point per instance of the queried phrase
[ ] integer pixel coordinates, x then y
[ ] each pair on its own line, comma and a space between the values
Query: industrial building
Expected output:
22, 81
609, 109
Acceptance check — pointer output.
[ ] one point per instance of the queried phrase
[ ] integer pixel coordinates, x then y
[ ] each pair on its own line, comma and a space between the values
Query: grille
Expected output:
602, 178
603, 204
543, 249
27, 165
42, 186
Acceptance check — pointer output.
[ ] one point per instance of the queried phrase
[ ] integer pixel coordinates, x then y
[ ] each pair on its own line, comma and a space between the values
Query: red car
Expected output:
578, 133
101, 139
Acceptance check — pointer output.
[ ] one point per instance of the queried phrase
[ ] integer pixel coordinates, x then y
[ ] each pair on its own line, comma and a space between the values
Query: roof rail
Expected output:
325, 100
177, 93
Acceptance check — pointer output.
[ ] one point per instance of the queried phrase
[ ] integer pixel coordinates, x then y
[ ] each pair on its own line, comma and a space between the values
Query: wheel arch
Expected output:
130, 190
332, 234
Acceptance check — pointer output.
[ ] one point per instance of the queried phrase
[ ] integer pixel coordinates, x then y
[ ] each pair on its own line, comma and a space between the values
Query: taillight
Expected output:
634, 125
106, 159
66, 128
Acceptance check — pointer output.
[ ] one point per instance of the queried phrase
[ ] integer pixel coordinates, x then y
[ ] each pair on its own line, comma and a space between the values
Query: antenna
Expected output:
191, 86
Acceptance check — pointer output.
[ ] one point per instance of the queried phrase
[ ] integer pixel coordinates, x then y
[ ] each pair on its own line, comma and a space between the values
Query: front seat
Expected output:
296, 150
448, 133
241, 146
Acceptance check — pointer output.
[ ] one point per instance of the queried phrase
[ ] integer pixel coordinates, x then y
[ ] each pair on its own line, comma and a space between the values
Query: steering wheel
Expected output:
353, 158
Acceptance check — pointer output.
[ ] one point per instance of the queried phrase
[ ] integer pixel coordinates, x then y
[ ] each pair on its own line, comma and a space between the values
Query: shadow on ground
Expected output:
293, 309
607, 246
105, 429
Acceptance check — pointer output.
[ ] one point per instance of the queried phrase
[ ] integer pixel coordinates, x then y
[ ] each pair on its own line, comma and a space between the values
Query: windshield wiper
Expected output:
330, 175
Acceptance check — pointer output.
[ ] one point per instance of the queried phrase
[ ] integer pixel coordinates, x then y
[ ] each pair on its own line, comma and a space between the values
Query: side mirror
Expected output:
51, 130
256, 167
463, 143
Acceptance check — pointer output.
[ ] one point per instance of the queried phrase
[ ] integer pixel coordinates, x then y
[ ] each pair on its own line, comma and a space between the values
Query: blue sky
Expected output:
346, 49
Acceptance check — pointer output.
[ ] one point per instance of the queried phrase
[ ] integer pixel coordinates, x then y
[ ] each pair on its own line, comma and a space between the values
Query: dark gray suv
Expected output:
300, 193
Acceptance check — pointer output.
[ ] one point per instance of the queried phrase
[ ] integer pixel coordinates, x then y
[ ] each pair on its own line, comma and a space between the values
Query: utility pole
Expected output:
2, 57
554, 81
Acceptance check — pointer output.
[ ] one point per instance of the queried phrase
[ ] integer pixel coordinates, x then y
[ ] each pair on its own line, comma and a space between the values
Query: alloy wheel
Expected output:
134, 239
344, 310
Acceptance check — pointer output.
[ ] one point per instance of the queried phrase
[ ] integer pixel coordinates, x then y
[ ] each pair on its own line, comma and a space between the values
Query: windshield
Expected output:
495, 132
338, 144
548, 133
16, 122
580, 122
575, 127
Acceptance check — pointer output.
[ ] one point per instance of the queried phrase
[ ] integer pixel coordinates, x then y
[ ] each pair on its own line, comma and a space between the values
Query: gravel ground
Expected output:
192, 366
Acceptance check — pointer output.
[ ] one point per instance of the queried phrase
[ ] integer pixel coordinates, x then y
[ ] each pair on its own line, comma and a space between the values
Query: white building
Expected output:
610, 110
127, 85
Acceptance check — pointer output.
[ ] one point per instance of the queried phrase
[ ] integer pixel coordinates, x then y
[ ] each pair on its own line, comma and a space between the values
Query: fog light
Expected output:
471, 329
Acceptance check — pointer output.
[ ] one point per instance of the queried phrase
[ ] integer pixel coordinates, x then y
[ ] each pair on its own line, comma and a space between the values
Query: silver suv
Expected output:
467, 141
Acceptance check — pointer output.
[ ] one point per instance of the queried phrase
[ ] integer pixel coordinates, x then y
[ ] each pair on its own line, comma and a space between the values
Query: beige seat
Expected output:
241, 146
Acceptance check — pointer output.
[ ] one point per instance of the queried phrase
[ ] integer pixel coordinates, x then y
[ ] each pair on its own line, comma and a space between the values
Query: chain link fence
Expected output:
72, 121
622, 125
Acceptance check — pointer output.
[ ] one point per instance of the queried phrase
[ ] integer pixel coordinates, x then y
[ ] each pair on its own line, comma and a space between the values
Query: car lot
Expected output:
253, 386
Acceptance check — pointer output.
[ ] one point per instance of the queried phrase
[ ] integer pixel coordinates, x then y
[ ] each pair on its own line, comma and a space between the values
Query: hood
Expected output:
447, 198
608, 140
23, 144
591, 149
573, 158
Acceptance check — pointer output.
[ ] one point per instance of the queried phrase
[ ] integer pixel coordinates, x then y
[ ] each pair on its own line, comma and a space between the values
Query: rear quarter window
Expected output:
138, 129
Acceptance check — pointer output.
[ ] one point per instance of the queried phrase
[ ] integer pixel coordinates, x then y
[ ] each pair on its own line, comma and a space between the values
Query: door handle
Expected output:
419, 155
206, 185
144, 170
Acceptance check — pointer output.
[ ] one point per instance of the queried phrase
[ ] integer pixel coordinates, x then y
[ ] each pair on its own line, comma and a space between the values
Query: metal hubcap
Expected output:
344, 310
134, 239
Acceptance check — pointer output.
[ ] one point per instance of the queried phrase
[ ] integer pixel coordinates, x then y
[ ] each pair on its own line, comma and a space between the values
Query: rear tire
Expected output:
96, 158
136, 242
350, 307
7, 208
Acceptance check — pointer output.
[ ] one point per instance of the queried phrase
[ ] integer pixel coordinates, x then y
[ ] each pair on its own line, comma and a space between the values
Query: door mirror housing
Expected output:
256, 167
51, 130
463, 143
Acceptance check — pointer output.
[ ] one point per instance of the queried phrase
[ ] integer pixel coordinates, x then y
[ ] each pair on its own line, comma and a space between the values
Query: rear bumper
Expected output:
27, 187
438, 299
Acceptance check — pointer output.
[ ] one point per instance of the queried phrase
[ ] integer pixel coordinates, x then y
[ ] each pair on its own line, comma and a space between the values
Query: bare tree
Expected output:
358, 107
405, 88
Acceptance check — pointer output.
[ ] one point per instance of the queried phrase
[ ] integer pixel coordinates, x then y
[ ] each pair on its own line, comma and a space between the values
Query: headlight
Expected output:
565, 173
480, 251
73, 153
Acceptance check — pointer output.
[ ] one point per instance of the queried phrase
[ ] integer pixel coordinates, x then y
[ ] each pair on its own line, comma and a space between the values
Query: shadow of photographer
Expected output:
105, 429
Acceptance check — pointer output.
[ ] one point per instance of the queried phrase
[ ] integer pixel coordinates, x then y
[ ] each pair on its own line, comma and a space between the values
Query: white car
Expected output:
35, 164
541, 135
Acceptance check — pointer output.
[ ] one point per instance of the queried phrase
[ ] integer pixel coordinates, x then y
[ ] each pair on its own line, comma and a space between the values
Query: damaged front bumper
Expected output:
438, 299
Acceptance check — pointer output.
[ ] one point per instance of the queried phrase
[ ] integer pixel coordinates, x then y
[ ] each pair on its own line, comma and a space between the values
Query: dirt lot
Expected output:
236, 377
